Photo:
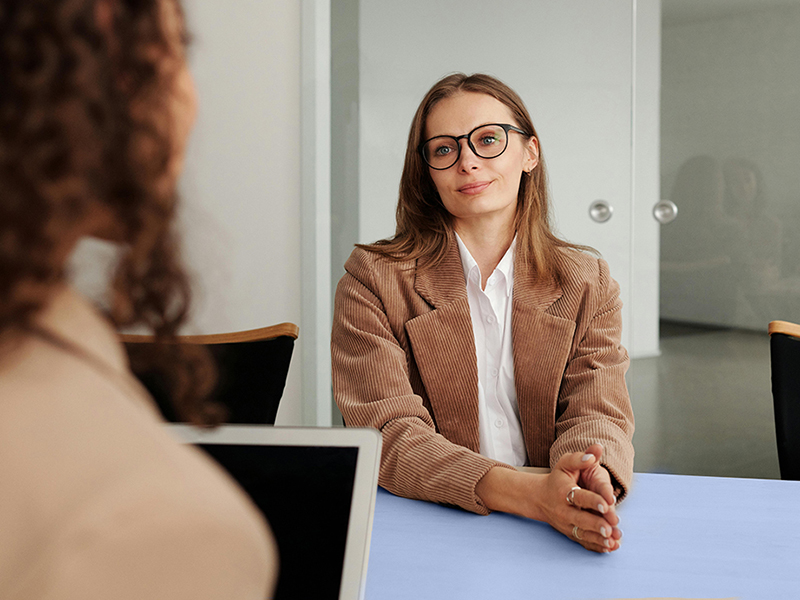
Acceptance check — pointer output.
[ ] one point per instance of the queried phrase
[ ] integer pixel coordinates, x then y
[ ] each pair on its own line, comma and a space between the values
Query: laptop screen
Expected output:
305, 493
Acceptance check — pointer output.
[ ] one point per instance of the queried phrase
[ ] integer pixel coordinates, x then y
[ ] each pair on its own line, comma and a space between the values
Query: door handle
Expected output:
665, 211
600, 211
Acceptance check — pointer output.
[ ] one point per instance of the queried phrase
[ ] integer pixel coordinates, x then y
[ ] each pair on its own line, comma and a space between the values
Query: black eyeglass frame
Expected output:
505, 127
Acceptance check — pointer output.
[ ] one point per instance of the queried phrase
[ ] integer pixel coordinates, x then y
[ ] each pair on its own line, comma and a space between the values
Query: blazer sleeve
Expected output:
371, 385
593, 402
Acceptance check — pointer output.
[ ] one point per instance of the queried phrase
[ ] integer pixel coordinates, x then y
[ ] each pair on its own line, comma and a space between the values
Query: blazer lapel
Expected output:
444, 350
541, 344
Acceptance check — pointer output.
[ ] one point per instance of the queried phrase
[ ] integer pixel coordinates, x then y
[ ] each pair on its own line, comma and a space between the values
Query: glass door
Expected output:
730, 260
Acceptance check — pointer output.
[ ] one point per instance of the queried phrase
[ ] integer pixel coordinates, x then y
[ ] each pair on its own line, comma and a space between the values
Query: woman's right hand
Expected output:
591, 520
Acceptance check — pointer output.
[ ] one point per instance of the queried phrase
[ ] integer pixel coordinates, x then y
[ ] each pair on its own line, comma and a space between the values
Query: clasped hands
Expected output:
591, 517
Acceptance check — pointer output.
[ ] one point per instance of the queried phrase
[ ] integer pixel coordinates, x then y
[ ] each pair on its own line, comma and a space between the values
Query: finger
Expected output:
598, 480
593, 502
606, 490
576, 461
596, 450
590, 540
594, 530
593, 524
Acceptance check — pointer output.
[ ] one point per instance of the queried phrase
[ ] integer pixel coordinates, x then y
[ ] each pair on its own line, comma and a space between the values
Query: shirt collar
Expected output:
467, 262
505, 266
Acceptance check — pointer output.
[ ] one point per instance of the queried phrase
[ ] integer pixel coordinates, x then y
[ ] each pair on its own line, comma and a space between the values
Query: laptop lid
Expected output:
316, 487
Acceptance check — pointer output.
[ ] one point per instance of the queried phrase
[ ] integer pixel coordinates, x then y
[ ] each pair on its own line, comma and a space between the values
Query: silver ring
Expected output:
575, 533
571, 495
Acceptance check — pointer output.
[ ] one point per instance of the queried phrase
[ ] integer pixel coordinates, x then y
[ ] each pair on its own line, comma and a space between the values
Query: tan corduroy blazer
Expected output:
404, 362
98, 500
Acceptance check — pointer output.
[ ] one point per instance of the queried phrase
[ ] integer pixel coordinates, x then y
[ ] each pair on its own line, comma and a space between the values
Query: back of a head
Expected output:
88, 146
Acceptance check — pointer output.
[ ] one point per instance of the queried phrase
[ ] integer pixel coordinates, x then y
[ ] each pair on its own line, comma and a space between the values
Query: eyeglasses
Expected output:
487, 141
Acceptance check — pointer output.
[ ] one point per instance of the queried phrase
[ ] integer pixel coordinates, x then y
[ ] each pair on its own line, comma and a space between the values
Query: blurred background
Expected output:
672, 137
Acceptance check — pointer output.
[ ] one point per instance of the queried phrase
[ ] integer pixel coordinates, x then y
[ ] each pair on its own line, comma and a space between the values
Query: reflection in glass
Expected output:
730, 145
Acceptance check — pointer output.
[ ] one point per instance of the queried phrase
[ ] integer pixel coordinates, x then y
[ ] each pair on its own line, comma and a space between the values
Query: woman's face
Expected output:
479, 189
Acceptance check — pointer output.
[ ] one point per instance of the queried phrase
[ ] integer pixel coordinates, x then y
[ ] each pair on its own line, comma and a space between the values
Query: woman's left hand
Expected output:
597, 479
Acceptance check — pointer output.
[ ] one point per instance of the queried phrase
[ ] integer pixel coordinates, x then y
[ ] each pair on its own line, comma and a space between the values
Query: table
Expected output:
684, 537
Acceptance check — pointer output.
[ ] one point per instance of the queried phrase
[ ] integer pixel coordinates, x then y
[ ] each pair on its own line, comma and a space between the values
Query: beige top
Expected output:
404, 362
98, 500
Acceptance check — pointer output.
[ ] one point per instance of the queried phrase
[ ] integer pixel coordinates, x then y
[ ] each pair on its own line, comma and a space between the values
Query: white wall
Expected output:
241, 185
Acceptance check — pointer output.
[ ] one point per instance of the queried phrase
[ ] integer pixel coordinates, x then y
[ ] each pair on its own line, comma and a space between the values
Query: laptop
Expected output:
316, 488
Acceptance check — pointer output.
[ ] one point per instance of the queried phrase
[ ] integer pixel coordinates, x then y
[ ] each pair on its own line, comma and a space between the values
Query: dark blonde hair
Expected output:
85, 123
424, 226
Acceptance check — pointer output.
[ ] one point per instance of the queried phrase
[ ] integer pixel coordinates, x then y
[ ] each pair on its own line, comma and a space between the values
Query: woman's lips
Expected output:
474, 188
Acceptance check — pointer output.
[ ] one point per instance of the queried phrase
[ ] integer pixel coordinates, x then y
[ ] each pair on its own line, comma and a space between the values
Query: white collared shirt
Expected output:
498, 415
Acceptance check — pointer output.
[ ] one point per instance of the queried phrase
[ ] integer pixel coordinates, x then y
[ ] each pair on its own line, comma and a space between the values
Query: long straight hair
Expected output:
425, 227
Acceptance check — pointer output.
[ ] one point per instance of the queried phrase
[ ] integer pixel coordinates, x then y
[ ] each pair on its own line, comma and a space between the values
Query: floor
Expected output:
704, 407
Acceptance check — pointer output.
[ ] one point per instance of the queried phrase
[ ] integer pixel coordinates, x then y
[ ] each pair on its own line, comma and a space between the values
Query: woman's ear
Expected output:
532, 155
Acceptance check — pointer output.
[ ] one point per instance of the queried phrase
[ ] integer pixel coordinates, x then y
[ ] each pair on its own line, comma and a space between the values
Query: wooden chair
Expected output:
785, 360
252, 368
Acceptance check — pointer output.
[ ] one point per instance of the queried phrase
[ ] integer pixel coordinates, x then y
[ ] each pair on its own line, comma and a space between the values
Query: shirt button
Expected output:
498, 423
494, 372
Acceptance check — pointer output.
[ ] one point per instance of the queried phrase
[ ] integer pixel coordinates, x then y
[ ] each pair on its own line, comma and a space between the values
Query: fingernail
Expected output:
607, 543
620, 531
601, 509
586, 457
604, 532
605, 551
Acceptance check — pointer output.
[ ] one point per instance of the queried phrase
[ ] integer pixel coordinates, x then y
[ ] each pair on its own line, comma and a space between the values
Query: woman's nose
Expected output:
468, 160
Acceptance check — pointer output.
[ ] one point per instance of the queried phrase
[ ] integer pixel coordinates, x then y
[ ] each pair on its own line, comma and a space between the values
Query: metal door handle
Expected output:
600, 211
665, 211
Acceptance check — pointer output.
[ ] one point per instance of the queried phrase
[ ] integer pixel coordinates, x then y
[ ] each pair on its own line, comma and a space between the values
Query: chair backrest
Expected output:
252, 368
785, 359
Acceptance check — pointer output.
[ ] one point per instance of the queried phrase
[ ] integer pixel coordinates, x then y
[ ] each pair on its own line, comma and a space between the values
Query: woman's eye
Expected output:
443, 150
488, 140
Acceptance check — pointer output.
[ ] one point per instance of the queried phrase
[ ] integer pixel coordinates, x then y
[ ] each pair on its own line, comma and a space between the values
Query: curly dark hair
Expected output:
85, 127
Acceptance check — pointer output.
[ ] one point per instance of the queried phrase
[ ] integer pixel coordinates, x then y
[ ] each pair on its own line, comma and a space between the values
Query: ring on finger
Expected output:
571, 495
575, 533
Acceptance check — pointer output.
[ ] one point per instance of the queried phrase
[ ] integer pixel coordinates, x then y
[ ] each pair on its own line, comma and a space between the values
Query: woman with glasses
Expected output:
99, 500
476, 340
